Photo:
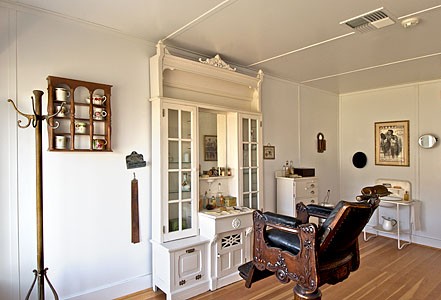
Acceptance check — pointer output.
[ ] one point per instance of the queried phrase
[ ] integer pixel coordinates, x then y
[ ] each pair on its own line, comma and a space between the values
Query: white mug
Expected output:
61, 94
60, 142
99, 113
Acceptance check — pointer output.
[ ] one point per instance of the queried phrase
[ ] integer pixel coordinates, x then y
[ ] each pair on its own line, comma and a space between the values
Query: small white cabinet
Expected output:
180, 267
230, 244
291, 191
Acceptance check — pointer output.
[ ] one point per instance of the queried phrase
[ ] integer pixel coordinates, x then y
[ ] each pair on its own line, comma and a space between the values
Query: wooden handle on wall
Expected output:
135, 211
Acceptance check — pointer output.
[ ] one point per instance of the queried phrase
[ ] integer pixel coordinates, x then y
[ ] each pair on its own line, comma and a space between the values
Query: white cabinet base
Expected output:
180, 267
230, 245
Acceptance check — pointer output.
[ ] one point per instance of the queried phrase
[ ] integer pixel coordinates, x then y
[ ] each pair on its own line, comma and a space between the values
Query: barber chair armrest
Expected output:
320, 211
312, 210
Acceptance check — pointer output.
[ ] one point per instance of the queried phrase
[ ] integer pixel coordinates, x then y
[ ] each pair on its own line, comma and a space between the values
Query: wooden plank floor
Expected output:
385, 272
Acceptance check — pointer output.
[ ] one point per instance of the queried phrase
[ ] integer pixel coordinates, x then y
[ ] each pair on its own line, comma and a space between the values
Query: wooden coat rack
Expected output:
36, 120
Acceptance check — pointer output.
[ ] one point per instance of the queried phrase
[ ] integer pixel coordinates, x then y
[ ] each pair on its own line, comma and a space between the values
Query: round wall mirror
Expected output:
427, 141
359, 160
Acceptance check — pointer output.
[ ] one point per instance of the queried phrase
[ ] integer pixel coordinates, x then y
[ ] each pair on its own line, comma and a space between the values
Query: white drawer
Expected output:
306, 188
306, 201
234, 222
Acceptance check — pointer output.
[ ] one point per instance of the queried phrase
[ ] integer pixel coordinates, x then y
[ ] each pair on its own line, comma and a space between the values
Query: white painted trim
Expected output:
25, 8
118, 289
392, 87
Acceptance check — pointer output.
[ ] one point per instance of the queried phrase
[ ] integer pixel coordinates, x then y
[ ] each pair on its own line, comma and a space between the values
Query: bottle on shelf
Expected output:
185, 185
291, 168
406, 196
286, 169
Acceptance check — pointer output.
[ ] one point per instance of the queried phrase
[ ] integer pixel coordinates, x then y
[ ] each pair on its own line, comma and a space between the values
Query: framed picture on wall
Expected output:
269, 152
210, 147
392, 143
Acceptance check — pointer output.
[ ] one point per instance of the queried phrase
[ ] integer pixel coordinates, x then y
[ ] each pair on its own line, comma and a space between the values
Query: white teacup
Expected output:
99, 113
63, 111
61, 94
99, 144
80, 127
97, 99
60, 142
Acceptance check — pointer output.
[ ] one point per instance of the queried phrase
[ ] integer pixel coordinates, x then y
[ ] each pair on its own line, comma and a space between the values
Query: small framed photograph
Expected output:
210, 147
269, 152
392, 143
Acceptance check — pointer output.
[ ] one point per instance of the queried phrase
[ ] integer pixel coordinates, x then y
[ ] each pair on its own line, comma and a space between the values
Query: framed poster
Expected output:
392, 143
210, 147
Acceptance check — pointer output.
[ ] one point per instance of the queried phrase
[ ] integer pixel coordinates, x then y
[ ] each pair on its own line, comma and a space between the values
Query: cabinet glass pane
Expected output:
173, 155
173, 217
186, 185
254, 155
186, 124
254, 198
186, 215
246, 200
254, 179
246, 155
253, 131
173, 123
245, 130
246, 180
173, 186
186, 155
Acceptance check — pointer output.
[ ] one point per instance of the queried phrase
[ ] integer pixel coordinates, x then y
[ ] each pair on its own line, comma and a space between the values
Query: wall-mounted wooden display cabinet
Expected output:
84, 122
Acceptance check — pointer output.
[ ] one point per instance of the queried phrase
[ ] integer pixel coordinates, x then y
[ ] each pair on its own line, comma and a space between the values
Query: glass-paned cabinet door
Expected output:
251, 171
180, 201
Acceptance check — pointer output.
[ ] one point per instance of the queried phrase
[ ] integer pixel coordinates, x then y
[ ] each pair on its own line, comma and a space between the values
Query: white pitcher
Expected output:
388, 223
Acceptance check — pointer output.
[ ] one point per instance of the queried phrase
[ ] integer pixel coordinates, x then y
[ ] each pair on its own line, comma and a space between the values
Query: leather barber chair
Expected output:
310, 255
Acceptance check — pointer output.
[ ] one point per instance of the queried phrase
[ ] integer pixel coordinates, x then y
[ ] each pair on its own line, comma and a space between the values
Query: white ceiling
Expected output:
301, 41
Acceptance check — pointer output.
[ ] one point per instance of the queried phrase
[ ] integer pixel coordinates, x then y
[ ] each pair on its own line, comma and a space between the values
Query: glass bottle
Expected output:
286, 169
185, 185
406, 196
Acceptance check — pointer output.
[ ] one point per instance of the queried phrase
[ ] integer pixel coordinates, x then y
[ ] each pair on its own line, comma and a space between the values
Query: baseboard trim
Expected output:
116, 290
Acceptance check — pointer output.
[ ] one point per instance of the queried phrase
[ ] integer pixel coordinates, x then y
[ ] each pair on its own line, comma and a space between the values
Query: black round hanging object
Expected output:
359, 160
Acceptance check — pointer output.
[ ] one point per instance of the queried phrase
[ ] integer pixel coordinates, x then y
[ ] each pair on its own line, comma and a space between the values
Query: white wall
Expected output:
292, 116
280, 129
86, 195
319, 113
418, 103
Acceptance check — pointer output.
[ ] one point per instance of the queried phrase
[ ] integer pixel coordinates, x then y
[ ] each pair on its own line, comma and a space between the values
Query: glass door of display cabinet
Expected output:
251, 171
181, 182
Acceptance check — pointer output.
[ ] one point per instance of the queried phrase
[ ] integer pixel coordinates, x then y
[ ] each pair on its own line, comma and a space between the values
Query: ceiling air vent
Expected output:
372, 20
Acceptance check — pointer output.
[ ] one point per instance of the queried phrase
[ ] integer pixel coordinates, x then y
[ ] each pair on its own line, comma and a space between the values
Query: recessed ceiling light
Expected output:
410, 22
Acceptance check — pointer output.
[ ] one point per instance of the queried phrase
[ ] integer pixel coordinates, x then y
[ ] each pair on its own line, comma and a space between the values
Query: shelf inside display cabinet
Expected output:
82, 112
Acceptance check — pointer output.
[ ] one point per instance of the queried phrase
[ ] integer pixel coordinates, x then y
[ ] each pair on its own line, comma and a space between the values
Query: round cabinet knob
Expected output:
312, 192
312, 201
312, 185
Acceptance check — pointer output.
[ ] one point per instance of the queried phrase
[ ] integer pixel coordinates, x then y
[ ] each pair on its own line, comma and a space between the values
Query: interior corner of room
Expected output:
225, 114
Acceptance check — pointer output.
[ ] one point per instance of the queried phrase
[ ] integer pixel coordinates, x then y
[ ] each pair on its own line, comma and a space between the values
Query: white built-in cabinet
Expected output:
195, 249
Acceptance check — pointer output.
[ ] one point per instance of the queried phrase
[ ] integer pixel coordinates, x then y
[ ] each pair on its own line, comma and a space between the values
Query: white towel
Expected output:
415, 213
